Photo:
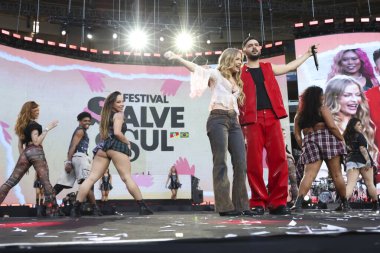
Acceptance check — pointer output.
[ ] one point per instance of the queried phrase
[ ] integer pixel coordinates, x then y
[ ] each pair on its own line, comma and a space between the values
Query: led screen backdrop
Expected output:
165, 125
332, 47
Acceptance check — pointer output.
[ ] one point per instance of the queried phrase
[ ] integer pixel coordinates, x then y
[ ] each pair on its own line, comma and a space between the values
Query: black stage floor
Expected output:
196, 232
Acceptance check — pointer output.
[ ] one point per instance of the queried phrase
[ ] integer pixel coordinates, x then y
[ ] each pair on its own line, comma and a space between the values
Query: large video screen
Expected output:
339, 56
166, 127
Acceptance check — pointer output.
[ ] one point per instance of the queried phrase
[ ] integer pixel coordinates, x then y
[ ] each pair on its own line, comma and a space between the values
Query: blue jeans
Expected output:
224, 132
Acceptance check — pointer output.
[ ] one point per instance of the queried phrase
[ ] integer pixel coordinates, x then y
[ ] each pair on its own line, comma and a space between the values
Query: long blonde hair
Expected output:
24, 117
106, 114
226, 63
334, 90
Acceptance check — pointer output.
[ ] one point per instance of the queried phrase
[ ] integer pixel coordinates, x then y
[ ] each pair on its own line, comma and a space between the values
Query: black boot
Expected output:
51, 207
375, 205
40, 211
96, 210
297, 207
144, 210
344, 206
75, 211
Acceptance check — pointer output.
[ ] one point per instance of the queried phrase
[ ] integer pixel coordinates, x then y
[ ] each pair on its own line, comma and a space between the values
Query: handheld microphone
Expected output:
314, 56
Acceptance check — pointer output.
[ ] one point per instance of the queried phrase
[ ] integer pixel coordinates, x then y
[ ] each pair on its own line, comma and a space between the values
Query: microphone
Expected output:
314, 56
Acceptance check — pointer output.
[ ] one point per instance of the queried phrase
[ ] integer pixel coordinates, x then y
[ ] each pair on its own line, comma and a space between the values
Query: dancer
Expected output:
106, 185
78, 164
174, 182
31, 136
260, 118
358, 161
114, 147
322, 142
223, 128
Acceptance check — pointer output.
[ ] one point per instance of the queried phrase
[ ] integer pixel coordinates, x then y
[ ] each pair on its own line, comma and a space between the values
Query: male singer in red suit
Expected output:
260, 118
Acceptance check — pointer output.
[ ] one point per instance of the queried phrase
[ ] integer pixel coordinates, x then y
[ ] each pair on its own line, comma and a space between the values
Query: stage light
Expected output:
329, 21
349, 20
313, 23
63, 32
184, 41
364, 20
90, 36
162, 38
137, 39
298, 25
208, 41
114, 36
36, 27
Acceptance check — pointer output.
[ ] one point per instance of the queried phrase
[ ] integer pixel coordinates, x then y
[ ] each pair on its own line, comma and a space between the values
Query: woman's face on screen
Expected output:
350, 63
350, 100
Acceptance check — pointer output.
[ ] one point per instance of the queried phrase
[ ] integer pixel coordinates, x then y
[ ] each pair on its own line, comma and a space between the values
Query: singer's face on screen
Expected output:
252, 49
350, 100
350, 63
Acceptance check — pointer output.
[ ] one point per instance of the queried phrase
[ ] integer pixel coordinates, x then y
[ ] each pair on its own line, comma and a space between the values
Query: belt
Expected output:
223, 112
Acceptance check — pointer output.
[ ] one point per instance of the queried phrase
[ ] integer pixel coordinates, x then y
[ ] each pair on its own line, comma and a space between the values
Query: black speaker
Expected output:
197, 196
194, 183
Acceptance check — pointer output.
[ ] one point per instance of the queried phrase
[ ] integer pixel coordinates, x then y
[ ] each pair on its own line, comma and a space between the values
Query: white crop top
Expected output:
221, 88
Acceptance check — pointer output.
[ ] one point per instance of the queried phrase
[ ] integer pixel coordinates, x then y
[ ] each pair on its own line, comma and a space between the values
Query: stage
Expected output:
195, 231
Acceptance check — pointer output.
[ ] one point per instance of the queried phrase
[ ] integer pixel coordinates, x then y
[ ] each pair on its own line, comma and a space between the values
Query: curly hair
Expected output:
334, 90
106, 114
365, 69
24, 117
226, 63
309, 106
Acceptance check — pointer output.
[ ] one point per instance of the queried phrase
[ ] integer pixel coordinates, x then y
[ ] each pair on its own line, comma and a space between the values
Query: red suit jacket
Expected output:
248, 112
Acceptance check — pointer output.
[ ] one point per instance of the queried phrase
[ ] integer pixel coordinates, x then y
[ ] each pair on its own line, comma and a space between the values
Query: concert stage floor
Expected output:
195, 231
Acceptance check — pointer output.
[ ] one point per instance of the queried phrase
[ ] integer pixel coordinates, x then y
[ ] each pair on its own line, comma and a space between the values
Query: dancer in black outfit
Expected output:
31, 136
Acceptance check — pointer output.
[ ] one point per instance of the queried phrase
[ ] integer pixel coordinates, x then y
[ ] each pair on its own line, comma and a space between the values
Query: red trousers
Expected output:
266, 133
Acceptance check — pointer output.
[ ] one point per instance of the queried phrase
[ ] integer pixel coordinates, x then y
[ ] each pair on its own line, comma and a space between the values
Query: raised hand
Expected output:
170, 55
52, 124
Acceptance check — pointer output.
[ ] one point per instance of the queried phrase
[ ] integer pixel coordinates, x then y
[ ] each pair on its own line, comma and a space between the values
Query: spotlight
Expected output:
36, 26
162, 38
63, 31
208, 41
137, 39
89, 36
114, 35
184, 41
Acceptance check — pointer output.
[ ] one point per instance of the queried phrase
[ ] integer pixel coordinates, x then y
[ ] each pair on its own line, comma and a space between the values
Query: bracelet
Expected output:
68, 162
